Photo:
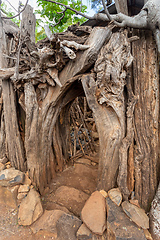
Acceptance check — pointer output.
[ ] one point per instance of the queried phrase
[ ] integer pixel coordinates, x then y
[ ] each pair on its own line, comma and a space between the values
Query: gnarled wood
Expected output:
121, 6
146, 88
13, 138
28, 23
105, 98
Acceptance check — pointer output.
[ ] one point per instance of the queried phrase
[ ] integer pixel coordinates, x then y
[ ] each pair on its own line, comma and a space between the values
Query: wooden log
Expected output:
14, 141
106, 100
43, 155
121, 6
84, 60
146, 88
3, 47
28, 23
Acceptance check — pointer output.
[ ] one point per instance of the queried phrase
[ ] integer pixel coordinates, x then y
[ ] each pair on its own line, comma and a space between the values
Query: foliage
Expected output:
8, 12
50, 15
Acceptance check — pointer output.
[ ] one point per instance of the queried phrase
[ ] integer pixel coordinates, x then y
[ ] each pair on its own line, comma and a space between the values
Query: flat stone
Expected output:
147, 234
49, 205
4, 160
27, 181
71, 198
115, 195
8, 196
94, 213
67, 226
8, 166
20, 196
155, 216
11, 177
136, 214
119, 226
134, 202
23, 189
83, 170
2, 167
84, 233
104, 193
47, 221
30, 209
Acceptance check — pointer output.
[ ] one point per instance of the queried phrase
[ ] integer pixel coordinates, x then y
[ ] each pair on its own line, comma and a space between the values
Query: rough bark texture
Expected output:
155, 216
146, 88
106, 99
13, 138
121, 6
28, 23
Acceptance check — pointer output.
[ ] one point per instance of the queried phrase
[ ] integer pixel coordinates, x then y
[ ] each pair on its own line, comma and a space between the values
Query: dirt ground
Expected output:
80, 176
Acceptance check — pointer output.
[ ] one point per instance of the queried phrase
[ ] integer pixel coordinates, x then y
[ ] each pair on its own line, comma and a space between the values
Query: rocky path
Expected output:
80, 177
70, 209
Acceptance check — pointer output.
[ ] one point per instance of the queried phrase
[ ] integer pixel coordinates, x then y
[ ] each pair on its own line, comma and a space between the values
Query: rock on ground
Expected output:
2, 166
30, 209
84, 233
47, 221
71, 198
11, 177
155, 216
119, 225
94, 213
8, 196
116, 196
136, 214
67, 226
49, 205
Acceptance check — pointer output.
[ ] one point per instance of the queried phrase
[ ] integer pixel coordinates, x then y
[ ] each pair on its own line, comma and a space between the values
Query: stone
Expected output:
84, 233
71, 198
47, 221
155, 216
115, 195
30, 209
23, 189
49, 205
84, 170
8, 196
67, 226
136, 214
4, 160
134, 202
94, 213
20, 196
11, 177
147, 234
8, 166
119, 225
2, 167
27, 181
104, 193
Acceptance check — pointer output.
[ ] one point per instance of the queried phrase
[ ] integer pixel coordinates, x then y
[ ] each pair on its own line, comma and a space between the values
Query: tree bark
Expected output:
106, 99
121, 6
146, 88
28, 23
13, 138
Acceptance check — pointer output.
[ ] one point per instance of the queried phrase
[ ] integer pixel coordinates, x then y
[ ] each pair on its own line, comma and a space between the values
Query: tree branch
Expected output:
18, 13
72, 9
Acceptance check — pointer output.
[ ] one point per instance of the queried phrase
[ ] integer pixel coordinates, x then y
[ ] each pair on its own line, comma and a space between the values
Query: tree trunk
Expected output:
106, 99
146, 88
